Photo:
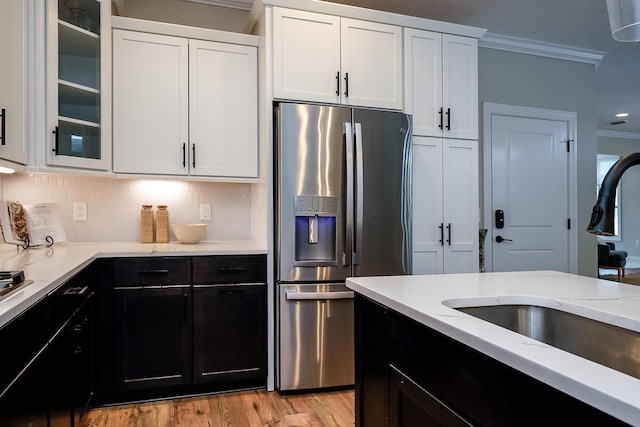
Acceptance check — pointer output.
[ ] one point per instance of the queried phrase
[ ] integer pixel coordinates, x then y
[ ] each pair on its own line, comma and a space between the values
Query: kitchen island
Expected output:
422, 308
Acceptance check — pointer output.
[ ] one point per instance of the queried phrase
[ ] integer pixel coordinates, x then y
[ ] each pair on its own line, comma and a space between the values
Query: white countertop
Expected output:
50, 267
423, 299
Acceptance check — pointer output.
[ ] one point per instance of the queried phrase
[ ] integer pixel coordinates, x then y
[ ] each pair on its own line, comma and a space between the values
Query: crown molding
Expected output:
618, 134
533, 47
233, 4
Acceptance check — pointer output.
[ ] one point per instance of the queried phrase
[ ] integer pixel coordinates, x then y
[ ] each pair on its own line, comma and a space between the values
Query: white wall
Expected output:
187, 13
114, 205
535, 81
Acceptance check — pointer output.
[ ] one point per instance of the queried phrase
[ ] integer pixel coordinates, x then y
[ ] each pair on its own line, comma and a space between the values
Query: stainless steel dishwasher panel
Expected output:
315, 336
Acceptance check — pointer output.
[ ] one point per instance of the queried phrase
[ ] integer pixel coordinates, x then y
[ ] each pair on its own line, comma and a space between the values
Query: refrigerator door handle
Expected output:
297, 296
359, 191
348, 158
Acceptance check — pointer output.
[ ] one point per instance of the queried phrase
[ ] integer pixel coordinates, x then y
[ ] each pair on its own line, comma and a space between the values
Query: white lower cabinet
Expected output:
445, 206
184, 106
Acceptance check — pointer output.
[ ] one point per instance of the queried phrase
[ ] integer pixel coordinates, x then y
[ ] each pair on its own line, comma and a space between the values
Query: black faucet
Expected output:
602, 213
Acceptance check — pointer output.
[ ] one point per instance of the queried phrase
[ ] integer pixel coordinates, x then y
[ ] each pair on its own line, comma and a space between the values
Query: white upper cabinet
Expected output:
184, 106
325, 58
150, 103
306, 56
13, 84
441, 84
223, 116
371, 62
445, 206
78, 85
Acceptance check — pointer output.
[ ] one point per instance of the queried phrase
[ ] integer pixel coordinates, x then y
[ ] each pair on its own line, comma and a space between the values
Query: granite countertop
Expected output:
428, 299
49, 267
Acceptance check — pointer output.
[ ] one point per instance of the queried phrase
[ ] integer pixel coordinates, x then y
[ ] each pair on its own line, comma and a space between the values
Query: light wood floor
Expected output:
239, 409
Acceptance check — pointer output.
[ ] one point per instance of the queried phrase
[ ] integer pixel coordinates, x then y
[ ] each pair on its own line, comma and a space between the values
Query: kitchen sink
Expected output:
603, 343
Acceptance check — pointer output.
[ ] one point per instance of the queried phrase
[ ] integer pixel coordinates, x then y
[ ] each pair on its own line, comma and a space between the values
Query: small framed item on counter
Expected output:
31, 225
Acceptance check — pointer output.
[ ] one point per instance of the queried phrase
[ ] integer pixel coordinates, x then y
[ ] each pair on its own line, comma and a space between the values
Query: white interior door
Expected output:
530, 184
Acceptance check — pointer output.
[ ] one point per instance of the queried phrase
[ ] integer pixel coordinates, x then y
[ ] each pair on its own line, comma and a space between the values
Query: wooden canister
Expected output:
162, 224
146, 224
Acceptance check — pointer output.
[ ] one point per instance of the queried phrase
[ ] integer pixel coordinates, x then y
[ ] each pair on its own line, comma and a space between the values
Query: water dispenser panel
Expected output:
316, 230
315, 206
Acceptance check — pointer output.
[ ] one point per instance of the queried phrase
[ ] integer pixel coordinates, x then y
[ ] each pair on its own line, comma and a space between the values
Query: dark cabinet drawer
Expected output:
149, 271
68, 297
229, 269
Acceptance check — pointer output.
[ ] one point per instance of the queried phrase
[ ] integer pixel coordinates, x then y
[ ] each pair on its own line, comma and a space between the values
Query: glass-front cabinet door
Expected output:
78, 88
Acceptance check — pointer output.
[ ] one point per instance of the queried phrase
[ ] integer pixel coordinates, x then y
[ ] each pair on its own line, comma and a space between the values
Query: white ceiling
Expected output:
582, 24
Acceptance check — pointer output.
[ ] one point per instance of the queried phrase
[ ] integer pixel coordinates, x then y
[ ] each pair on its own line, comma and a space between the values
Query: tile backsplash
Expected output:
113, 205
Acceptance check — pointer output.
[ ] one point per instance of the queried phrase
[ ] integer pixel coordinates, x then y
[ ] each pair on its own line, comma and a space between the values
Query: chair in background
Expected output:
611, 259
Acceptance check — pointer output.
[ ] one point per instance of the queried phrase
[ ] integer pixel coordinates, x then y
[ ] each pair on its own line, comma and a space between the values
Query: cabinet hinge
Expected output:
569, 141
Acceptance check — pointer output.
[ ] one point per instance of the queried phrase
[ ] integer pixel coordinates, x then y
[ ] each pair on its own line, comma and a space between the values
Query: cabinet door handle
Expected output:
76, 290
448, 118
441, 227
449, 231
3, 125
184, 155
337, 83
346, 85
158, 271
56, 132
185, 301
193, 154
441, 118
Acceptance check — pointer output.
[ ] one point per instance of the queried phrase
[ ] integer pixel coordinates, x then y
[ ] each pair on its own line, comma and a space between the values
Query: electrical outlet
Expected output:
637, 242
79, 211
205, 212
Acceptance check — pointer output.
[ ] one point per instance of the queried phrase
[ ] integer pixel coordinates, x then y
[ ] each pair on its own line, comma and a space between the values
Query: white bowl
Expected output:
189, 233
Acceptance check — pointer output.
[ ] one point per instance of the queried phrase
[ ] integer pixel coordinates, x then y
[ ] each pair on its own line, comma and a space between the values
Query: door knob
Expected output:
501, 239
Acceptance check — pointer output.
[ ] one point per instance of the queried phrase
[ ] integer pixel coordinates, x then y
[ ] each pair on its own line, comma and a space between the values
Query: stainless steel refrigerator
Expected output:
343, 208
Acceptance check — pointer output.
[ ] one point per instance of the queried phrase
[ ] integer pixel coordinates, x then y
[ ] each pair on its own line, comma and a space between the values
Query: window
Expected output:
605, 161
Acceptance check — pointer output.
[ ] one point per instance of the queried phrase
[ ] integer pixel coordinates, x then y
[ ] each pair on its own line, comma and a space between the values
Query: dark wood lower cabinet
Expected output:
153, 337
229, 332
25, 402
70, 373
412, 405
51, 384
183, 325
372, 364
432, 379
